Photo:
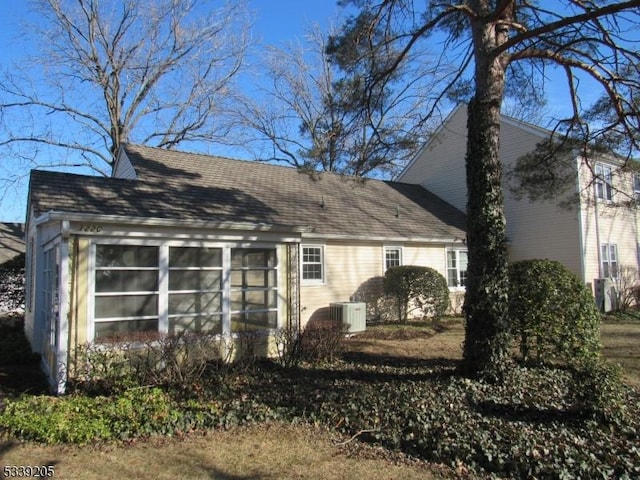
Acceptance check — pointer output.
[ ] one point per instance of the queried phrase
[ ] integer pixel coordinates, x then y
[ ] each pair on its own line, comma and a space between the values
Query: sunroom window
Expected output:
195, 289
254, 293
126, 289
169, 289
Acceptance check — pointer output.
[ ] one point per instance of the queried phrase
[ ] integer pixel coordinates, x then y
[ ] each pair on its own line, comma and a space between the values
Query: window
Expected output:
50, 277
254, 293
604, 176
636, 188
195, 289
312, 264
392, 257
126, 289
609, 254
457, 268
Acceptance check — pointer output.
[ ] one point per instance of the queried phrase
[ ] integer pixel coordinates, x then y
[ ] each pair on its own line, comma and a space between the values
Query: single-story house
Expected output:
176, 241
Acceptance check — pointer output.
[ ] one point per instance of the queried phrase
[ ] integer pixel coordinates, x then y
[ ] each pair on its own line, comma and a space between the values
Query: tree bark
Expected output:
487, 336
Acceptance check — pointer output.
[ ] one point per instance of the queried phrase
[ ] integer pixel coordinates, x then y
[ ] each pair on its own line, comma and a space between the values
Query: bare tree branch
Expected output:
158, 72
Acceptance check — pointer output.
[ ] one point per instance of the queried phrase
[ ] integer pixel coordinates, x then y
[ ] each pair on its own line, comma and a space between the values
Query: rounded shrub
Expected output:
553, 315
421, 288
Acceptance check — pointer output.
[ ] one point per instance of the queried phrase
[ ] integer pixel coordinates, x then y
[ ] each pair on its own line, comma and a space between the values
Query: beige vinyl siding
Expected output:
538, 229
124, 168
534, 230
613, 224
347, 267
433, 256
350, 267
440, 166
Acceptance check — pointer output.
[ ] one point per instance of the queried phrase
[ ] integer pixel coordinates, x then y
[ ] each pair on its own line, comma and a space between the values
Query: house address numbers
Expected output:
88, 228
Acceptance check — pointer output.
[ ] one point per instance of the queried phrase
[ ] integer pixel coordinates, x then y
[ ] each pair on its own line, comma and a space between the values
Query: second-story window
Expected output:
604, 181
636, 188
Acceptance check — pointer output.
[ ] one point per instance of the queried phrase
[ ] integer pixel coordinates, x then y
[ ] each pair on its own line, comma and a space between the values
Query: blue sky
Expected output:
275, 23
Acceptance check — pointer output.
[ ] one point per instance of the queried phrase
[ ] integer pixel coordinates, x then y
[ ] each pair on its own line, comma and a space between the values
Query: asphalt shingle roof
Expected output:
188, 186
11, 240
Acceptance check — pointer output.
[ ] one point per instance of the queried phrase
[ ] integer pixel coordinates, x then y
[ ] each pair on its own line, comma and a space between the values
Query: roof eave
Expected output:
55, 215
380, 238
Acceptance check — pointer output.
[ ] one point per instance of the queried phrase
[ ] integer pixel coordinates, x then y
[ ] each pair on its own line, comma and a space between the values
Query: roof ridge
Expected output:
262, 163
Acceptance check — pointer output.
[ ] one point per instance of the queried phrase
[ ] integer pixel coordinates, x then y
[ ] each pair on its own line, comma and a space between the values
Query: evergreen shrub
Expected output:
423, 288
553, 315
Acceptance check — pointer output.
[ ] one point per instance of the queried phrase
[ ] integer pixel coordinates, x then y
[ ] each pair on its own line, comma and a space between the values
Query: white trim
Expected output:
226, 294
400, 249
308, 238
581, 237
163, 288
53, 215
323, 265
63, 313
455, 288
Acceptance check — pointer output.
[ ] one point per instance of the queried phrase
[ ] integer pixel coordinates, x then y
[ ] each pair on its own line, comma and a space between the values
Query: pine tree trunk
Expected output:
487, 334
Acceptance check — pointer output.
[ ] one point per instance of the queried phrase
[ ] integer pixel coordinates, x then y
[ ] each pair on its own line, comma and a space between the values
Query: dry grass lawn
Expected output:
265, 452
277, 451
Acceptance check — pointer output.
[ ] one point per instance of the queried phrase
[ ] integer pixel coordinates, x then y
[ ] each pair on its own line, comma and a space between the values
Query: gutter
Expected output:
56, 216
331, 236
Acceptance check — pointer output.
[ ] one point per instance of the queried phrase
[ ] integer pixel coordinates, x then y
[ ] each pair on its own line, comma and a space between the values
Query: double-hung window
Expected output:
457, 268
312, 263
609, 258
604, 181
392, 257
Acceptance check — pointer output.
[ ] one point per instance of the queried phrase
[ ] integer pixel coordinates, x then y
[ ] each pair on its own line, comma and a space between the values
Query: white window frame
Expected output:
391, 248
163, 265
609, 260
604, 181
636, 187
457, 267
161, 278
323, 269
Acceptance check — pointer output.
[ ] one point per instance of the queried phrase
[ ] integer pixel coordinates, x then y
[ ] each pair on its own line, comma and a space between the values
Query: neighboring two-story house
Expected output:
594, 239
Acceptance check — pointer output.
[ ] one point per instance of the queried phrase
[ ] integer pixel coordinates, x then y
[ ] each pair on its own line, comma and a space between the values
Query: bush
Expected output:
599, 390
317, 342
423, 287
175, 361
553, 315
80, 419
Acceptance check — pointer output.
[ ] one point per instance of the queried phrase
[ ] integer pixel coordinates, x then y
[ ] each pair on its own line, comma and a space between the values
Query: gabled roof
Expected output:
186, 186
